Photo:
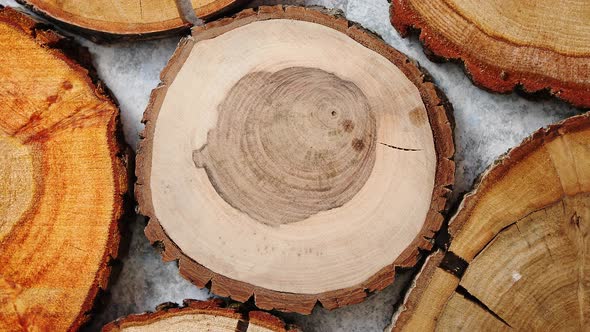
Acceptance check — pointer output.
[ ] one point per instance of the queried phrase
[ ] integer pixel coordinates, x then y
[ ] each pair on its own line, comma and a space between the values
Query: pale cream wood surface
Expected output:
331, 249
208, 316
187, 323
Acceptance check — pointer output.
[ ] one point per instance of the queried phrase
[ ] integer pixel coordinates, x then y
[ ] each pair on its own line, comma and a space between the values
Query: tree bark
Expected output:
62, 178
539, 47
206, 316
108, 20
292, 156
519, 252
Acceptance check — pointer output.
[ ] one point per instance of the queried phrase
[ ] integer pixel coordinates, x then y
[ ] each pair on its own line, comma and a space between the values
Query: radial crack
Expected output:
509, 226
21, 322
398, 148
470, 297
581, 244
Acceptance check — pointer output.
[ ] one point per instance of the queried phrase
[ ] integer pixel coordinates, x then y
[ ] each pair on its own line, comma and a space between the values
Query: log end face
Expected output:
56, 148
512, 238
333, 140
500, 66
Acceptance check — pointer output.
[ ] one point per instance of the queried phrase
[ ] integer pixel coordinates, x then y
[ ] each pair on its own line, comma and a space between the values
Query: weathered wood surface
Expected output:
519, 255
209, 316
62, 180
535, 46
104, 20
292, 156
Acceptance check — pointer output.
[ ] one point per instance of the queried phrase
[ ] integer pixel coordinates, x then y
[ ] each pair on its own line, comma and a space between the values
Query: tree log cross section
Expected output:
209, 316
535, 46
301, 175
62, 180
519, 257
115, 19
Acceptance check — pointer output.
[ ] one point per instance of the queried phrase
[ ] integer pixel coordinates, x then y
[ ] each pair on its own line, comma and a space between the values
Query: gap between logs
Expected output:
454, 264
187, 12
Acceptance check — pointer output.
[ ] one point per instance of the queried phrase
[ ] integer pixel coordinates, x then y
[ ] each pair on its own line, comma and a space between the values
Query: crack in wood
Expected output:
508, 226
398, 148
288, 301
470, 297
21, 322
11, 293
581, 239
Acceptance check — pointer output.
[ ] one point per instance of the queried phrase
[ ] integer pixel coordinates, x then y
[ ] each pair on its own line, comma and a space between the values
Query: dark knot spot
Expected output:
67, 85
358, 144
418, 117
503, 75
51, 99
333, 113
347, 125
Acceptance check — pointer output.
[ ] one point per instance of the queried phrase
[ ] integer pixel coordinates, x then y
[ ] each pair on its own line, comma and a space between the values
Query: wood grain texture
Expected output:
519, 251
106, 20
343, 156
62, 181
534, 46
291, 264
213, 316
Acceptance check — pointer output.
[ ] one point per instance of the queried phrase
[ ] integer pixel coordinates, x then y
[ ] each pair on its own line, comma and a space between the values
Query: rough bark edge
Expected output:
214, 307
271, 322
494, 172
441, 121
487, 76
142, 31
78, 59
414, 293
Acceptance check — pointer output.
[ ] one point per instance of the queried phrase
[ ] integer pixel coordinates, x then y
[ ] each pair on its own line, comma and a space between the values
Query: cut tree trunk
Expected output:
62, 178
104, 20
536, 46
292, 156
210, 316
519, 257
